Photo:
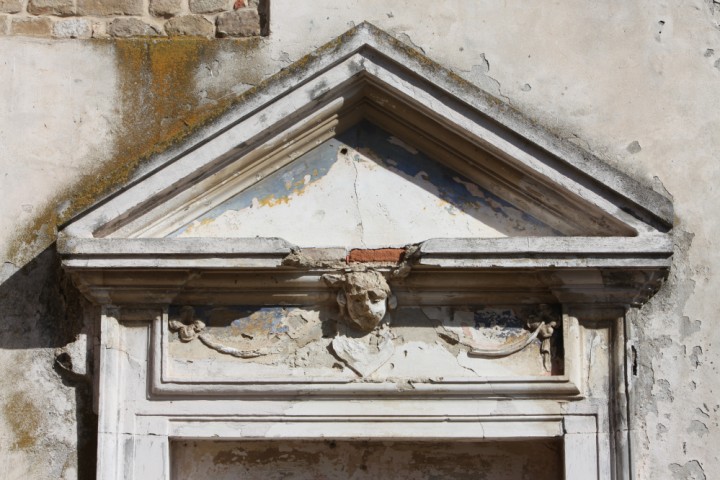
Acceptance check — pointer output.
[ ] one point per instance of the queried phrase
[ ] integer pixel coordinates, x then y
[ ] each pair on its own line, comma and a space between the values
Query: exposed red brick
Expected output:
375, 255
239, 4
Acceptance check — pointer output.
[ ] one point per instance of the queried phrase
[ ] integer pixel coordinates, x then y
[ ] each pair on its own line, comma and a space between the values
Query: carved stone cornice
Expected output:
607, 271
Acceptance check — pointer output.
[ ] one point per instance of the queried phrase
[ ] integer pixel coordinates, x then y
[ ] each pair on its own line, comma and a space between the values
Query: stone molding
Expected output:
85, 19
157, 379
167, 379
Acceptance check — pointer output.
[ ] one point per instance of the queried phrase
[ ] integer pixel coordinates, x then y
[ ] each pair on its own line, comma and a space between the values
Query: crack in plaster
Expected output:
591, 355
467, 368
360, 225
130, 358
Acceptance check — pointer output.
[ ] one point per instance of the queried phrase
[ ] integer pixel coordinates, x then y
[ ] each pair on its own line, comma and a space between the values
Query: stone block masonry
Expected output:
133, 18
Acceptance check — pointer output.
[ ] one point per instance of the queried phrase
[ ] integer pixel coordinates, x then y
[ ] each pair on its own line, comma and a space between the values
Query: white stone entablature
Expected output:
513, 330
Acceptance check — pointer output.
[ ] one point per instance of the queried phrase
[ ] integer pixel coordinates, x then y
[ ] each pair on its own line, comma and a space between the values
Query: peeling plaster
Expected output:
405, 38
692, 470
479, 75
364, 188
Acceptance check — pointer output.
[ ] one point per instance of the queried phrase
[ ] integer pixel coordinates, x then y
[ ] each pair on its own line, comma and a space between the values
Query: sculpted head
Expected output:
363, 297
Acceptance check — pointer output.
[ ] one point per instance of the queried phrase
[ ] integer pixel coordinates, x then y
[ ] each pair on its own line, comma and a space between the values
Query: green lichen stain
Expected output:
160, 106
23, 418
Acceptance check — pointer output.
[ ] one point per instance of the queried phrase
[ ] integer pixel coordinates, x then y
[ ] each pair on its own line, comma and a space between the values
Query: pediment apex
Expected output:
366, 74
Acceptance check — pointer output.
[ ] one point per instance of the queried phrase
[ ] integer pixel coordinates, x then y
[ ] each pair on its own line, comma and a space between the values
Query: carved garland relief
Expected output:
363, 338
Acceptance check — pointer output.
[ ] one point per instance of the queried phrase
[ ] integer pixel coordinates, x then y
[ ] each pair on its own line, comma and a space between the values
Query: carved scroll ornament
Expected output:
190, 328
542, 324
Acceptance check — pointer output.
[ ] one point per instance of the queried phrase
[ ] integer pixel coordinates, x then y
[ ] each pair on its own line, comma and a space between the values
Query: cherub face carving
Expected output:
363, 297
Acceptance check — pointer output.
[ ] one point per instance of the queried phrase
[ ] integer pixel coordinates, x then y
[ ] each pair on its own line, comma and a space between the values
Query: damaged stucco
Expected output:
48, 424
393, 187
635, 84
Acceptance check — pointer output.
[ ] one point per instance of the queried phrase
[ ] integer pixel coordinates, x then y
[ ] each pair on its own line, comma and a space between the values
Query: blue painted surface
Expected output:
449, 184
492, 318
498, 323
508, 322
415, 167
241, 319
278, 186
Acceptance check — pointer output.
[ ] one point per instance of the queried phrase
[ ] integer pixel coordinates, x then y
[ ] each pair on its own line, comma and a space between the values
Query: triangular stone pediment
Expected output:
367, 144
532, 183
364, 187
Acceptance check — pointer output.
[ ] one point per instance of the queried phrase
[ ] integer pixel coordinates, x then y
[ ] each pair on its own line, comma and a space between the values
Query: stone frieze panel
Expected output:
324, 343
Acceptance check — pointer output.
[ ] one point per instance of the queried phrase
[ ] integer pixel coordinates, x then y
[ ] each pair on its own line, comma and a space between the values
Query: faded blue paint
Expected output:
414, 167
508, 322
492, 318
237, 320
268, 319
279, 185
449, 184
499, 323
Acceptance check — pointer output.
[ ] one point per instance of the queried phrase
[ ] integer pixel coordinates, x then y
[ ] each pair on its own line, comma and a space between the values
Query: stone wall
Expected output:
636, 83
133, 18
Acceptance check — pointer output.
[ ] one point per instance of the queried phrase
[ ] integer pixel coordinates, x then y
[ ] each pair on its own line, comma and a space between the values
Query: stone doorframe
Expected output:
612, 250
140, 414
147, 454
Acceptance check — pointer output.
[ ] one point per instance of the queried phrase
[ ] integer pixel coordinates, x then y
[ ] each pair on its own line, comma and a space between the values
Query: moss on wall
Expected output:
24, 418
160, 105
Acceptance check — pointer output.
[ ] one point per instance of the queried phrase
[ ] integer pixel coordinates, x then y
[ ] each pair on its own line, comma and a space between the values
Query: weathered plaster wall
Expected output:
634, 82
